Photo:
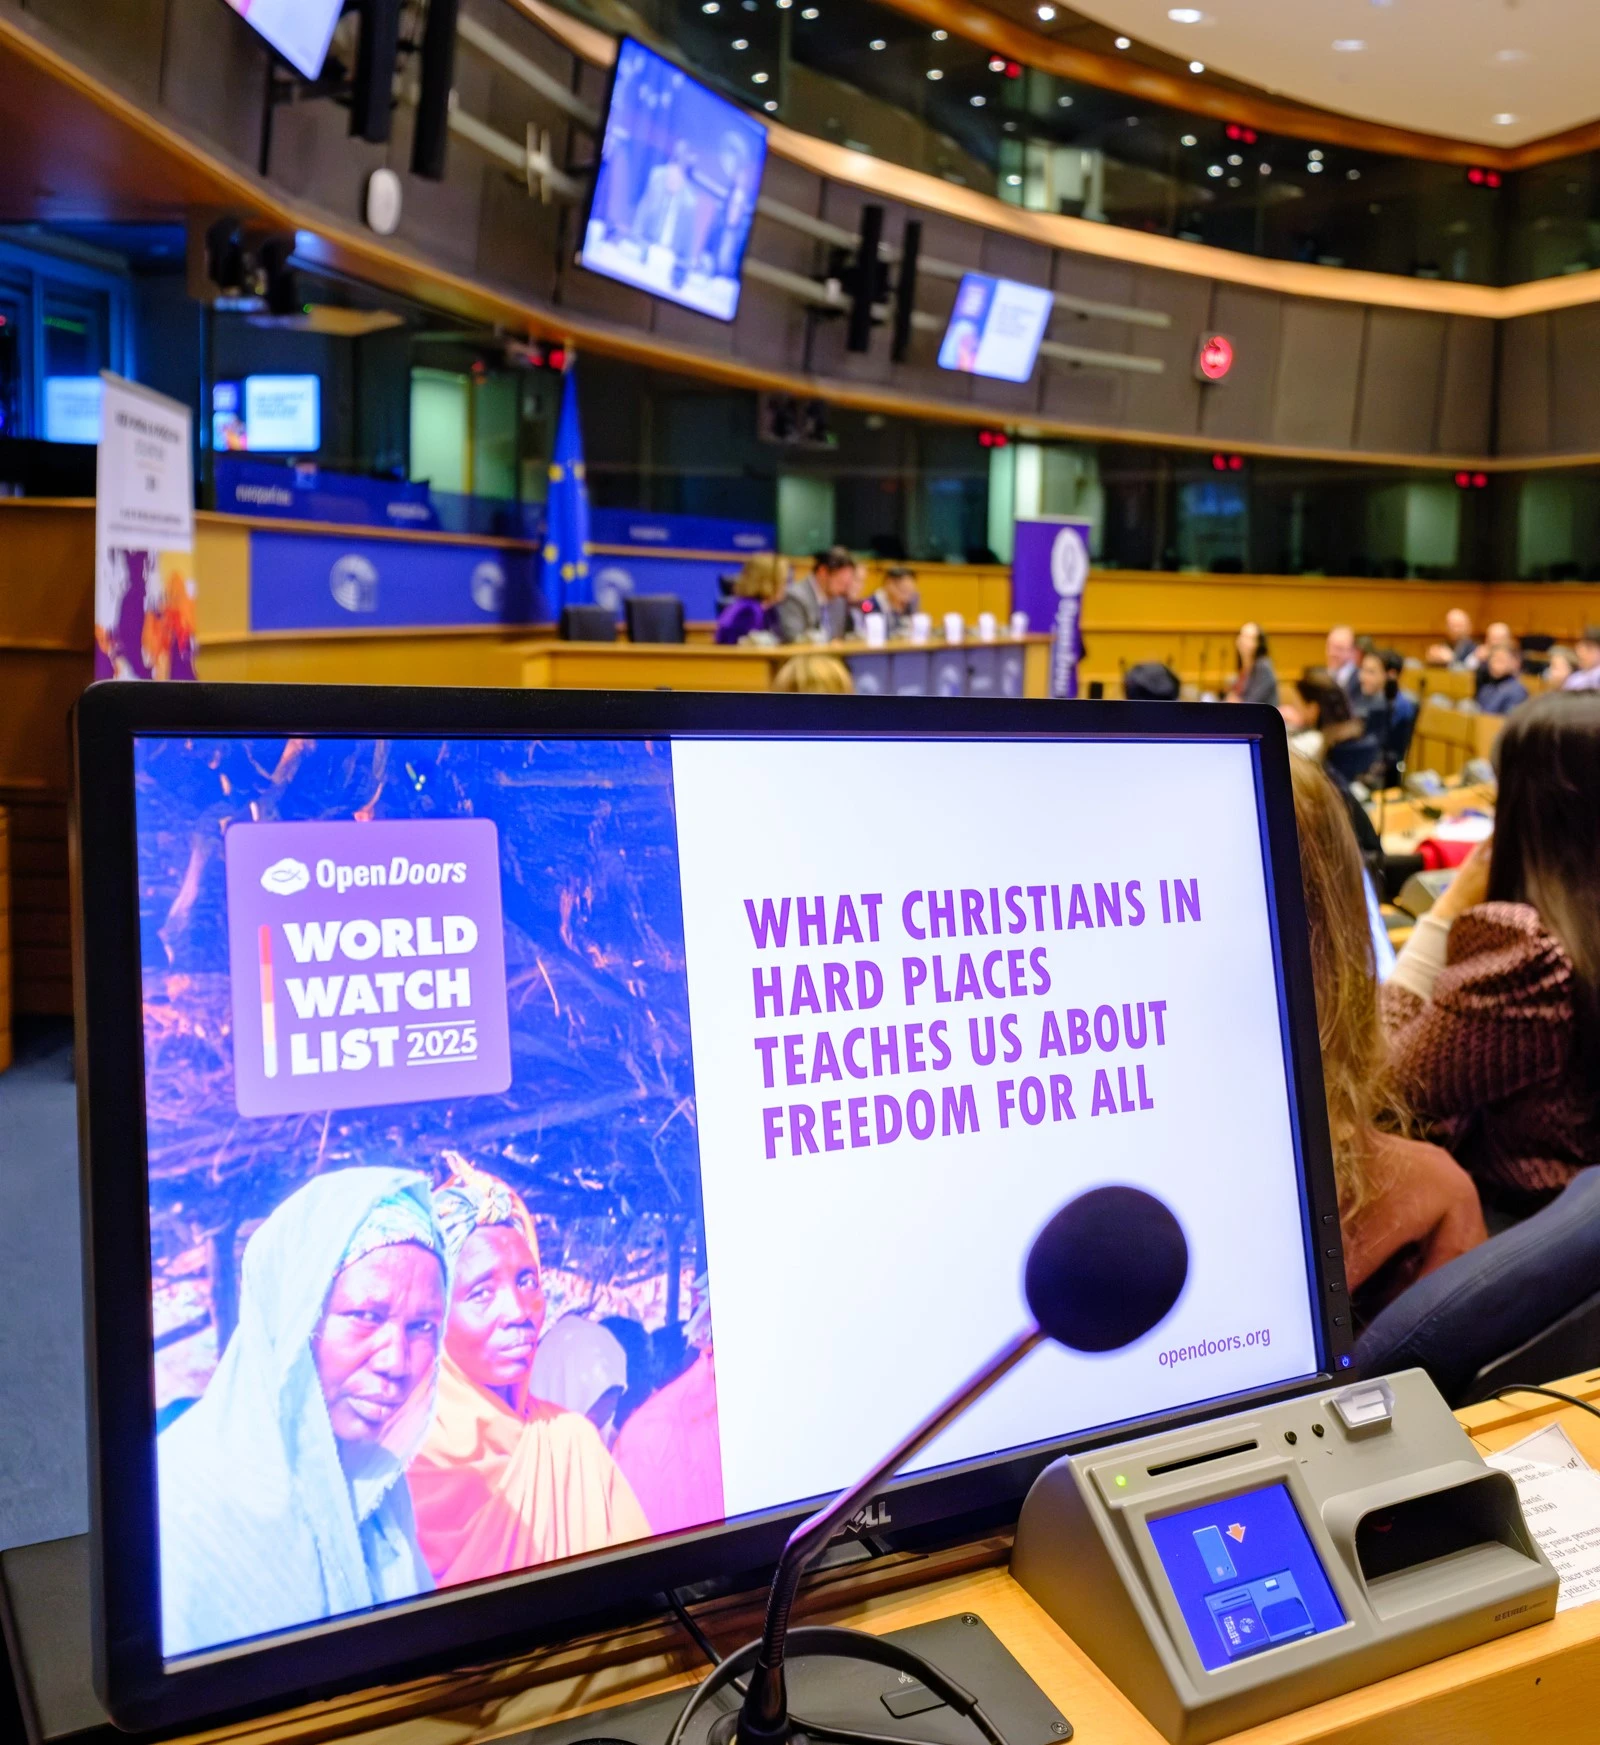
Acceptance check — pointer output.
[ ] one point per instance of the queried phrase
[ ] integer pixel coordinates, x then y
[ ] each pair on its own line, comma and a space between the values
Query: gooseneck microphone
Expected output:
1106, 1269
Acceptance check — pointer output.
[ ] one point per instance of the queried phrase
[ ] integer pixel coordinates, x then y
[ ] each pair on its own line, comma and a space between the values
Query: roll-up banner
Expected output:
144, 536
1049, 570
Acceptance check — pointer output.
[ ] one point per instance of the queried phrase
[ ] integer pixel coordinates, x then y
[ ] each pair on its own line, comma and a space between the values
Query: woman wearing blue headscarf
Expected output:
281, 1493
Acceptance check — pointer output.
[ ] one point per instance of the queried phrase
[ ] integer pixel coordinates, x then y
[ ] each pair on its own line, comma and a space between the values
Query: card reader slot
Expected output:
1200, 1459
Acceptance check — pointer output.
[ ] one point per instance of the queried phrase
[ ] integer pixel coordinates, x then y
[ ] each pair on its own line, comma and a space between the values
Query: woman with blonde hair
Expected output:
1405, 1207
761, 583
814, 674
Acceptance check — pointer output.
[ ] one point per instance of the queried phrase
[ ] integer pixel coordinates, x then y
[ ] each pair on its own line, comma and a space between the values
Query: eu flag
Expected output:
566, 513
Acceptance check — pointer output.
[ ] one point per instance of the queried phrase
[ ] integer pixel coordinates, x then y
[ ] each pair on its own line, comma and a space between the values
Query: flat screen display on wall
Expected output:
995, 328
300, 30
267, 415
680, 170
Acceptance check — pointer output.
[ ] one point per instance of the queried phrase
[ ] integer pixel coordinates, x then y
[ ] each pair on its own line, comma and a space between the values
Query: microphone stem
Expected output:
765, 1713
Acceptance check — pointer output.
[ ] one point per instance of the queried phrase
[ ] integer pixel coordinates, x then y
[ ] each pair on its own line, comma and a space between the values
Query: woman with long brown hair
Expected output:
1494, 1008
1405, 1207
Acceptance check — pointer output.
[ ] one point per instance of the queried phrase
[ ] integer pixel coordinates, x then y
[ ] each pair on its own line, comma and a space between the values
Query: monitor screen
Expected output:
72, 408
1383, 952
533, 1123
680, 171
300, 30
1245, 1574
995, 328
267, 415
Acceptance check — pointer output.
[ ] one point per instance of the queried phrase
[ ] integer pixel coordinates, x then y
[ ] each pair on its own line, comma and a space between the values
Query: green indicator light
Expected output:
1122, 1481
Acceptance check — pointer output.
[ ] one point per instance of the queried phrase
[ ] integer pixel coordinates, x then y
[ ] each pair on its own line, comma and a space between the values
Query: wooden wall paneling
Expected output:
123, 37
1241, 406
41, 911
1319, 366
1524, 397
520, 240
214, 74
314, 158
1171, 401
1466, 392
1096, 396
680, 326
1574, 387
1402, 372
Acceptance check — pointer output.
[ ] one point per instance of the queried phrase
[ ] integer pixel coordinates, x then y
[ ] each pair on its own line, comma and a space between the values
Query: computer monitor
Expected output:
996, 326
530, 1159
300, 30
278, 414
675, 196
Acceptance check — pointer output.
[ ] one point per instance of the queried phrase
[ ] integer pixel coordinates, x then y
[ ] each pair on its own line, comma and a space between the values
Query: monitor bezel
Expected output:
463, 1625
623, 44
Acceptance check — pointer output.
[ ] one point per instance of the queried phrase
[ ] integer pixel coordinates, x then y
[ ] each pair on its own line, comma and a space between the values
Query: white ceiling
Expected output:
1440, 66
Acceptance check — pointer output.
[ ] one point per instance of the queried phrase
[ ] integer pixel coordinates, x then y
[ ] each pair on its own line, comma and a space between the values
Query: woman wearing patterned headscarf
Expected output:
278, 1492
505, 1481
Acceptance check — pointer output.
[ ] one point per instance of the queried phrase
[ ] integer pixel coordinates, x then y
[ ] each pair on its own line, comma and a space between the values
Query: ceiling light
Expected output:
1314, 168
1233, 181
1352, 175
1213, 169
1013, 181
1197, 66
877, 42
996, 64
1235, 159
771, 104
1185, 14
1188, 139
711, 6
758, 78
1046, 13
1314, 155
810, 12
1010, 126
784, 5
1123, 42
1348, 45
741, 42
977, 102
935, 73
1504, 120
1265, 169
941, 35
1063, 102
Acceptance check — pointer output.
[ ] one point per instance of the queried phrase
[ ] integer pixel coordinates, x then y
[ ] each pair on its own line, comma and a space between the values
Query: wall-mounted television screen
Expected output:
267, 415
300, 30
504, 1089
72, 408
995, 328
680, 170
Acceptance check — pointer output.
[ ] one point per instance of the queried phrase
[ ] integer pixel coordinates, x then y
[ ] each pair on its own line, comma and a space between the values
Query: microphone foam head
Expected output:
1106, 1269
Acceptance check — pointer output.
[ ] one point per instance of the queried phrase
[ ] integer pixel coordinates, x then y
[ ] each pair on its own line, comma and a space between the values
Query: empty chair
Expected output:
588, 624
654, 618
1522, 1307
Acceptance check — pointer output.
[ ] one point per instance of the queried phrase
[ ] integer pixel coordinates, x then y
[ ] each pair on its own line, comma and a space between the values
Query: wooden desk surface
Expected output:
1404, 824
1538, 1684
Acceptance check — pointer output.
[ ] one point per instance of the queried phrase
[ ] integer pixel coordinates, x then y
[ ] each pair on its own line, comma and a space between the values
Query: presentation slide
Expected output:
300, 30
283, 414
72, 408
555, 1144
680, 171
995, 328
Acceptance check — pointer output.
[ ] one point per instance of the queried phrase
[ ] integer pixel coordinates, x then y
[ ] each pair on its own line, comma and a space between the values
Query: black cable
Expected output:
1552, 1394
930, 1676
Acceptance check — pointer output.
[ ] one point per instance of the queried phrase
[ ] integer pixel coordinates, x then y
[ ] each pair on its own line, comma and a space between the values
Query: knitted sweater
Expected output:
1483, 1042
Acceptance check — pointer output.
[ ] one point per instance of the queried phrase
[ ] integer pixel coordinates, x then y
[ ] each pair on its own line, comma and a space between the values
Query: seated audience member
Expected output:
1459, 645
1402, 715
1325, 727
895, 603
816, 674
816, 608
1559, 666
282, 1490
1587, 651
1498, 634
761, 583
1151, 681
1256, 680
1405, 1207
505, 1480
1502, 688
1344, 661
1493, 1009
1371, 702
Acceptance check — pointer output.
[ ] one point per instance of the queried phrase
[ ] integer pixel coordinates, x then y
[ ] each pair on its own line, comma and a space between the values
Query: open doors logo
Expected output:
286, 877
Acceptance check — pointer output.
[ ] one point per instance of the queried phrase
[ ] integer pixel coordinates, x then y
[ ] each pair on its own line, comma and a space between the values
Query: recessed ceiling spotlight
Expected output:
1013, 181
810, 13
741, 42
1314, 155
1185, 14
1124, 42
1188, 139
941, 35
784, 5
1348, 45
771, 105
977, 102
1197, 66
1063, 101
877, 42
1010, 126
1233, 181
1235, 159
711, 6
1504, 120
1213, 169
758, 78
1315, 168
996, 64
935, 73
1046, 14
1352, 175
1265, 169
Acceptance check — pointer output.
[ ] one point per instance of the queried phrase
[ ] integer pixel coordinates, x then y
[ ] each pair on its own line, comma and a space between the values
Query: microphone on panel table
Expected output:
1105, 1270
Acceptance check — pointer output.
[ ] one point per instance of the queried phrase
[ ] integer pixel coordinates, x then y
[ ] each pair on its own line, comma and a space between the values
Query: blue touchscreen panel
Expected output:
1245, 1575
